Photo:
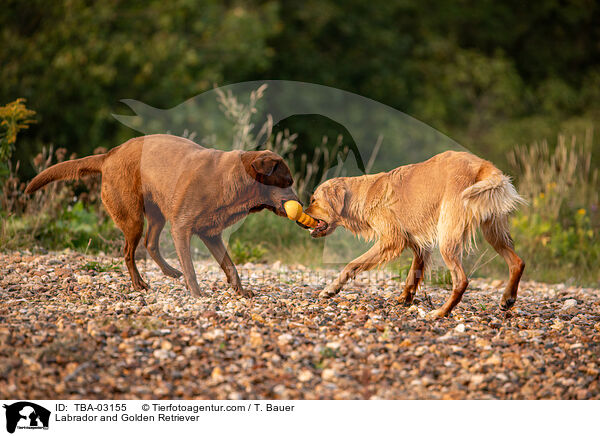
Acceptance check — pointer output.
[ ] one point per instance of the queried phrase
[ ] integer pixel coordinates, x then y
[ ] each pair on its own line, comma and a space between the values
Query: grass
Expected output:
76, 226
103, 267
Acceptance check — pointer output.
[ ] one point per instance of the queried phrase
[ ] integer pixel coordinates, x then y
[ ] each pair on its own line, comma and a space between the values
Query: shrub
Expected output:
62, 215
14, 118
557, 233
242, 252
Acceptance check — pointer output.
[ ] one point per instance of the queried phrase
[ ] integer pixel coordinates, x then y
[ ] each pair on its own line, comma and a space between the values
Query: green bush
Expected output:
75, 226
242, 252
555, 251
557, 233
79, 228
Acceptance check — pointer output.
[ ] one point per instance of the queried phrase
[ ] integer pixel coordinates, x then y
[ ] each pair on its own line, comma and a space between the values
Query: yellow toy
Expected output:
293, 209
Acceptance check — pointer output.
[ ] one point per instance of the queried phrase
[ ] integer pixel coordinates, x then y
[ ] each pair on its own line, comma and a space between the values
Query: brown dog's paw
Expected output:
507, 304
197, 293
244, 292
405, 299
173, 273
140, 285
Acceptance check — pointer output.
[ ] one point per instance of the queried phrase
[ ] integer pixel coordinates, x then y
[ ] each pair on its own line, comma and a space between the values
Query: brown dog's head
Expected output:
326, 206
274, 179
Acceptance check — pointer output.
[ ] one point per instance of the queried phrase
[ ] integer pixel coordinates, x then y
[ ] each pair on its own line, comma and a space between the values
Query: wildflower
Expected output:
581, 212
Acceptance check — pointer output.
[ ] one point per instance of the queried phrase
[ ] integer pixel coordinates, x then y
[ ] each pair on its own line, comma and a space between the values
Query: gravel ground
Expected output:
68, 329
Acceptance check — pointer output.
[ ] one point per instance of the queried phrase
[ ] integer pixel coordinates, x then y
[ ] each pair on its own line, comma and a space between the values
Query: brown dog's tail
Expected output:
69, 170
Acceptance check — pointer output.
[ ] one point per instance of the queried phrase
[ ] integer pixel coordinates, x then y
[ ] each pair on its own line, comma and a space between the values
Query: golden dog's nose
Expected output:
293, 209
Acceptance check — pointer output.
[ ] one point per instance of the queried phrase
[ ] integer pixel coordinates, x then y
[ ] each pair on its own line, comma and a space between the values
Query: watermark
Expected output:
243, 117
318, 277
266, 417
25, 415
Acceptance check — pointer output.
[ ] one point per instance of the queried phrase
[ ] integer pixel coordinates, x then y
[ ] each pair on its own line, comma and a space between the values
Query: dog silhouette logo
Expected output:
26, 415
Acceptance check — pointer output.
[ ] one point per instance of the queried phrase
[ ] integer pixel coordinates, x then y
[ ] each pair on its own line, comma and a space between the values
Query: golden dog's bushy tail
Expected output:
492, 197
489, 201
69, 170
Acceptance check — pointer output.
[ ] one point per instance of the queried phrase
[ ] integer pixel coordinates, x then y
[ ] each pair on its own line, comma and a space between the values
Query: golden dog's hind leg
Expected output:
497, 234
414, 277
376, 255
452, 253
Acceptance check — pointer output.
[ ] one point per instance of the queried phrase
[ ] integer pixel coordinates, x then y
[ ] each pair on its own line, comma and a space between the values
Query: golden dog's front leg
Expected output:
414, 277
375, 256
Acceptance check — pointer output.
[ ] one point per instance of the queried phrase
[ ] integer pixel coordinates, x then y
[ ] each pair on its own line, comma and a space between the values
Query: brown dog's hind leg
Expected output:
414, 277
219, 252
451, 253
497, 234
156, 222
132, 238
376, 255
126, 212
181, 240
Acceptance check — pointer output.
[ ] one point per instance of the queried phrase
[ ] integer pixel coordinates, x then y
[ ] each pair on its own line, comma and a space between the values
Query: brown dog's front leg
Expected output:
181, 240
369, 260
217, 249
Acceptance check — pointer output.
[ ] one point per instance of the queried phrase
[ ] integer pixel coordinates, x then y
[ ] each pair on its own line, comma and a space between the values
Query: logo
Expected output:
26, 415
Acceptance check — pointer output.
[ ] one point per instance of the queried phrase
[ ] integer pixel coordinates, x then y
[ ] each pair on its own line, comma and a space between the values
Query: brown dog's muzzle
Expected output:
281, 197
281, 208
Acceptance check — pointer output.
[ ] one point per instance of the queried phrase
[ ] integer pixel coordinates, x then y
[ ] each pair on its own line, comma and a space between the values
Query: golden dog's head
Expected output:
326, 206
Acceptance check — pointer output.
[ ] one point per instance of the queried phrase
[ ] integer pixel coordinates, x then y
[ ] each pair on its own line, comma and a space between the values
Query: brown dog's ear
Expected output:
265, 165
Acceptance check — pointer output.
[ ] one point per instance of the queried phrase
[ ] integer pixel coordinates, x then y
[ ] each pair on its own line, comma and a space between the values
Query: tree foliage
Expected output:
489, 74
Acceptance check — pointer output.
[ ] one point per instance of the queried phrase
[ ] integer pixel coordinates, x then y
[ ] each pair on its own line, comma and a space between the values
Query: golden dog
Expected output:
440, 201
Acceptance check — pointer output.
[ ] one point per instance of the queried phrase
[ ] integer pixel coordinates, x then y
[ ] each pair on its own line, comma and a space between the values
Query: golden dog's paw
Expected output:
435, 314
329, 291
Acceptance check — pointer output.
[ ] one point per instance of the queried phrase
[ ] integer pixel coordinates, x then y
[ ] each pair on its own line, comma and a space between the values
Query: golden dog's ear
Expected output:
265, 165
336, 195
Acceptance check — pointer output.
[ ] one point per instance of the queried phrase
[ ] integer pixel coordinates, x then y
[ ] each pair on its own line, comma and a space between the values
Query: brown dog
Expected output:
440, 201
198, 190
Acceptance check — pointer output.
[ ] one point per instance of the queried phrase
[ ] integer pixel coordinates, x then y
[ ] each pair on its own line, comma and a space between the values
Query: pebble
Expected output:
460, 328
87, 334
305, 375
569, 306
285, 339
328, 374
